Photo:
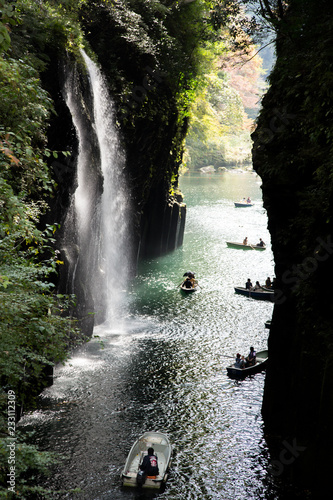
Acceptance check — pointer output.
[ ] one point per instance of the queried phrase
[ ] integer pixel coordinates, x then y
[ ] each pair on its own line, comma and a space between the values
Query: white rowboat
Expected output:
162, 449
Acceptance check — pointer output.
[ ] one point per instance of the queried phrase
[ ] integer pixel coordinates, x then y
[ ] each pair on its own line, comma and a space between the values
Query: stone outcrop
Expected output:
162, 228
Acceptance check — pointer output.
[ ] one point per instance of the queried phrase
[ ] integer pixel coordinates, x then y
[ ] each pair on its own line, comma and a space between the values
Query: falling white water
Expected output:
101, 214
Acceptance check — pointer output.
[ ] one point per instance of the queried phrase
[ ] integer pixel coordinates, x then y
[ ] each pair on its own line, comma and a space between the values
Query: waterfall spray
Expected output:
97, 221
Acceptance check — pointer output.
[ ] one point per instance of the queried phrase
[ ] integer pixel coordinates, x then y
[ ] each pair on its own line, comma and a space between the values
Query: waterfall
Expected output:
96, 226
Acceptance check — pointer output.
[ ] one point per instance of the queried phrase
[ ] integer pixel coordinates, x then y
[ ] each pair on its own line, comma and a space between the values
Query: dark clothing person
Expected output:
188, 283
251, 359
268, 282
150, 464
189, 274
248, 284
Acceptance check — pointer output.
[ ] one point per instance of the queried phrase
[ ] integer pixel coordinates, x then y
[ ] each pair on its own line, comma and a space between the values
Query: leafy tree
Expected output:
224, 110
170, 36
35, 329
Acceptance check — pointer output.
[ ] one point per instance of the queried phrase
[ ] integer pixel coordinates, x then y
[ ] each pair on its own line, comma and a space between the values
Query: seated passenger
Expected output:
248, 284
268, 282
245, 241
261, 243
257, 286
251, 358
188, 283
150, 464
239, 361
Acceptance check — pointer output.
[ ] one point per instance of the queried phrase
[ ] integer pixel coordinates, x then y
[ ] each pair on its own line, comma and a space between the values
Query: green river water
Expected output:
162, 365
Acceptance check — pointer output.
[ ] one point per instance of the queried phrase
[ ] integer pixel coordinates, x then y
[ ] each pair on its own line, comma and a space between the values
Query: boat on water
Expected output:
259, 294
162, 449
248, 246
188, 289
243, 204
190, 284
261, 361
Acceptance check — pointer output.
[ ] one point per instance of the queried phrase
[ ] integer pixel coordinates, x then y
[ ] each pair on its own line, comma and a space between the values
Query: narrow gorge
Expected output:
95, 110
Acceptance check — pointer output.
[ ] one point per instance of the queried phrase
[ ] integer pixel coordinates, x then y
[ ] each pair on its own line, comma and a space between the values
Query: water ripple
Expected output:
163, 367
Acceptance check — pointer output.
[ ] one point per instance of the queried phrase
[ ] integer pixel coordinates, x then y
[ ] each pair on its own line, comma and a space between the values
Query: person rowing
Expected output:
188, 283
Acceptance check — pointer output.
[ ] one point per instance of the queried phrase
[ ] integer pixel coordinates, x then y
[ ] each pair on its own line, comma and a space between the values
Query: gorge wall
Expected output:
293, 155
143, 85
132, 49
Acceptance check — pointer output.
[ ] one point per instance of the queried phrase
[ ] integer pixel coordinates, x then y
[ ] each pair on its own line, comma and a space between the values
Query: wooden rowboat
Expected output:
261, 361
233, 244
260, 294
162, 449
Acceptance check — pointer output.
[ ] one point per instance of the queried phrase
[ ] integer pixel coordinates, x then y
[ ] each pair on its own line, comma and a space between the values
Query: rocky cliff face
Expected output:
130, 47
293, 155
151, 131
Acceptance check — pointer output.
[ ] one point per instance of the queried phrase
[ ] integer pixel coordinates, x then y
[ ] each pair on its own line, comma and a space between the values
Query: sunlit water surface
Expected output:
162, 366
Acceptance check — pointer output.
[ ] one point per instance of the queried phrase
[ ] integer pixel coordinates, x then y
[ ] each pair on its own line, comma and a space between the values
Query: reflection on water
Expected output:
164, 367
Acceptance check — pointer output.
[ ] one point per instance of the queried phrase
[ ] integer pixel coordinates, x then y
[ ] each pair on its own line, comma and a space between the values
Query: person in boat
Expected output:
261, 243
268, 282
248, 284
239, 361
248, 200
192, 278
189, 274
257, 286
149, 464
245, 241
251, 358
188, 283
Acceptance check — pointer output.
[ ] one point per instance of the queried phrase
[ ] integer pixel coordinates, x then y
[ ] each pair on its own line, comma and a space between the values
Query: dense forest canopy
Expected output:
224, 111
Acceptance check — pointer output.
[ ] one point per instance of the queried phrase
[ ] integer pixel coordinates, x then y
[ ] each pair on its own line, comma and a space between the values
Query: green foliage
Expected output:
35, 328
35, 331
24, 110
219, 131
7, 19
173, 39
28, 463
